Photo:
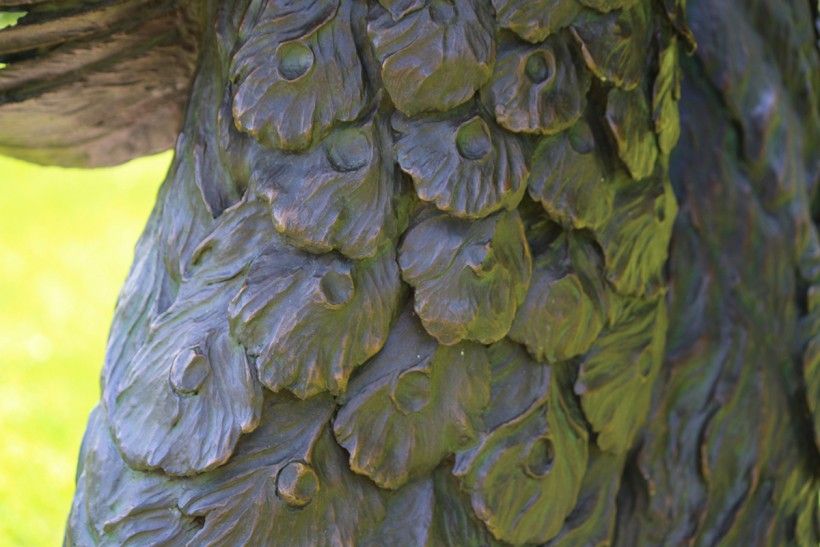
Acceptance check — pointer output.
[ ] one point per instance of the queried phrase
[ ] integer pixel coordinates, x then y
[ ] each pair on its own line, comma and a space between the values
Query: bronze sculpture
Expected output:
409, 280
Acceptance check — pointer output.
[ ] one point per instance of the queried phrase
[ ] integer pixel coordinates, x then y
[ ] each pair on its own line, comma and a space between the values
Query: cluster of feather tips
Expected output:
404, 284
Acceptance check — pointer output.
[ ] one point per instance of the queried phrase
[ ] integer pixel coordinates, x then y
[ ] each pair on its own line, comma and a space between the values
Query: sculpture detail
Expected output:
409, 280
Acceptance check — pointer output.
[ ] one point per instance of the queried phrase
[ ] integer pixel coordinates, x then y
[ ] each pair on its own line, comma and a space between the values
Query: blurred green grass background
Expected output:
67, 238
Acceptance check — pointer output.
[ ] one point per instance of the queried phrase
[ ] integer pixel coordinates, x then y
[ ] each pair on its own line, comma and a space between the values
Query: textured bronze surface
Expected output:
434, 272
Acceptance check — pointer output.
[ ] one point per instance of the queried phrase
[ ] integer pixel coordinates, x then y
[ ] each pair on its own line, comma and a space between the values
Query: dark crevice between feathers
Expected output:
633, 494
